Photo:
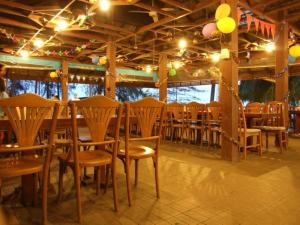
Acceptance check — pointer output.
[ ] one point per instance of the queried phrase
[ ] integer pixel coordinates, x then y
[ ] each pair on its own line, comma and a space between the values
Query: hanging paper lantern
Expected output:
292, 59
222, 11
295, 51
226, 25
53, 74
95, 59
103, 60
209, 30
172, 72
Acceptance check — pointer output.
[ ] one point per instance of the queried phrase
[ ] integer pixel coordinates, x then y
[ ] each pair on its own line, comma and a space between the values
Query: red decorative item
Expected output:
262, 27
256, 21
249, 21
273, 30
268, 27
239, 14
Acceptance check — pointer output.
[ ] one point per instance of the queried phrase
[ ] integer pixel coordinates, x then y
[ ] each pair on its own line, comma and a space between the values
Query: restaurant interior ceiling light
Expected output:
61, 25
148, 69
270, 47
177, 64
38, 43
215, 57
104, 5
24, 53
182, 43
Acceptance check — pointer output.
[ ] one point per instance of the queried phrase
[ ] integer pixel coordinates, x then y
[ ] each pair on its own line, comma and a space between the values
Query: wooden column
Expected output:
163, 77
212, 92
110, 76
229, 69
281, 58
64, 81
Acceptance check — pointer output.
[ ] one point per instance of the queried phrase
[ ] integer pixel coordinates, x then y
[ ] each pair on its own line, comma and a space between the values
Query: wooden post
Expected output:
163, 76
110, 76
64, 81
212, 92
281, 59
229, 69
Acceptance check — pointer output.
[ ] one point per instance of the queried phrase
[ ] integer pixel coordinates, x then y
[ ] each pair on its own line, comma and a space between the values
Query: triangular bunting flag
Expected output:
256, 21
249, 21
262, 27
268, 27
273, 30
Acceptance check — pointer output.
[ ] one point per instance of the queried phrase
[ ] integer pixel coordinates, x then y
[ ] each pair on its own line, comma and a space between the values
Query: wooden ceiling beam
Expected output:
16, 23
282, 8
155, 9
263, 4
178, 5
16, 5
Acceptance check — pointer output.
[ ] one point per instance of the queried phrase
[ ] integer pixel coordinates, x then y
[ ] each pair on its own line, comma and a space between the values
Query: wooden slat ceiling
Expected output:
139, 38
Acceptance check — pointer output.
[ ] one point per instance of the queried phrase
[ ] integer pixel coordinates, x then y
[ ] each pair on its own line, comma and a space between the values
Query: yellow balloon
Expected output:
226, 25
103, 60
295, 51
222, 11
53, 74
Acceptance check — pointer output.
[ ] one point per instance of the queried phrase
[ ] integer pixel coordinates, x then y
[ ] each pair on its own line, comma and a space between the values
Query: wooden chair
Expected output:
175, 113
146, 112
26, 114
276, 123
255, 107
195, 120
213, 121
97, 112
248, 135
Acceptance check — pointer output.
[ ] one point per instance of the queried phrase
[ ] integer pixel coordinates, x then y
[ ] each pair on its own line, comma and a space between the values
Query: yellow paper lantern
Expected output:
103, 60
226, 25
295, 51
53, 74
222, 11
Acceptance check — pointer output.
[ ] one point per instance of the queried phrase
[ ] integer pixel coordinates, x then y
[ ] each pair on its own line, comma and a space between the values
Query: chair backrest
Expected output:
194, 109
26, 114
255, 107
176, 110
147, 112
214, 110
276, 111
97, 112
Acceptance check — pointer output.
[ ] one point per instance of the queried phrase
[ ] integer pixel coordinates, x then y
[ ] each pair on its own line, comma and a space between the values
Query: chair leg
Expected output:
155, 162
98, 179
107, 177
136, 172
35, 189
45, 195
267, 140
127, 170
77, 185
60, 180
280, 141
114, 185
260, 144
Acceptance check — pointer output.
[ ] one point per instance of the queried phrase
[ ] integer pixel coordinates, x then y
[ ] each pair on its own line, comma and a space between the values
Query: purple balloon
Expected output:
209, 30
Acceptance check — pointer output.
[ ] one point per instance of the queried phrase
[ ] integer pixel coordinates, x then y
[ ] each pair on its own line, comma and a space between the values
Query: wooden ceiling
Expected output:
140, 36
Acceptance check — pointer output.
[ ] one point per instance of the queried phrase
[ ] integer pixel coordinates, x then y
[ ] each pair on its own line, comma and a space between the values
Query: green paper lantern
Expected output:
172, 72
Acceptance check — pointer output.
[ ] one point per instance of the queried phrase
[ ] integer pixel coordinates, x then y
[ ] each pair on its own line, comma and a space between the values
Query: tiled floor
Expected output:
196, 188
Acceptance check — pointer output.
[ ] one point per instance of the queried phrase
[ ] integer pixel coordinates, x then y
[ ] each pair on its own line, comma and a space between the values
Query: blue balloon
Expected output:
95, 59
292, 59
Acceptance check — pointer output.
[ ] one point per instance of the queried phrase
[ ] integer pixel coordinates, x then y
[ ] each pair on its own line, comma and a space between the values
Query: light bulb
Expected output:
270, 47
148, 69
24, 53
215, 57
38, 43
182, 43
177, 64
104, 5
61, 25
